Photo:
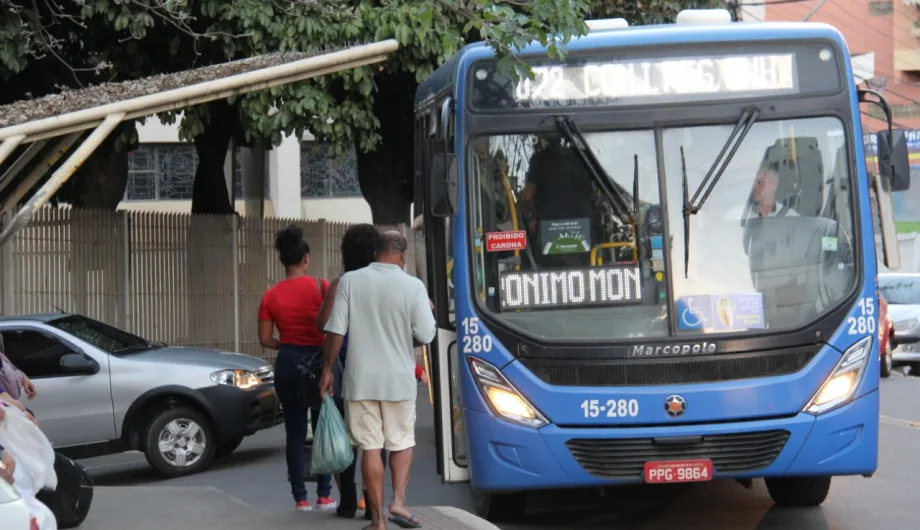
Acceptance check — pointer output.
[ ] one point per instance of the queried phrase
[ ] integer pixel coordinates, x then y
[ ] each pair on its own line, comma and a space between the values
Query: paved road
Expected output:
255, 475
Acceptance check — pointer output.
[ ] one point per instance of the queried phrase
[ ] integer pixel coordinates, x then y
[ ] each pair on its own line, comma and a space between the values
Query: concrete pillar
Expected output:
284, 178
252, 162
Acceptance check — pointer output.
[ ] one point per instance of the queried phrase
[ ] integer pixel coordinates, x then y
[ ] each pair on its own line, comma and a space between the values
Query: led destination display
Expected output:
660, 78
594, 286
631, 78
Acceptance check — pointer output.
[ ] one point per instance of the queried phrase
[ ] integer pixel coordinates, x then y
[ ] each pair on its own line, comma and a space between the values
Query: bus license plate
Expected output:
678, 471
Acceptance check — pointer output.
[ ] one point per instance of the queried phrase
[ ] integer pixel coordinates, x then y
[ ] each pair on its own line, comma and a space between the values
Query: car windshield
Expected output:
557, 259
103, 336
900, 290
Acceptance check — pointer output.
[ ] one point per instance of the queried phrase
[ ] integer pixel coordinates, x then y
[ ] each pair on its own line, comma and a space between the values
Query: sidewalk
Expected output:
208, 508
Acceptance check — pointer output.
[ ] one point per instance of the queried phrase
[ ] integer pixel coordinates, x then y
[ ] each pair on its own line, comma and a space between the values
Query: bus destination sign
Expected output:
713, 76
554, 289
661, 80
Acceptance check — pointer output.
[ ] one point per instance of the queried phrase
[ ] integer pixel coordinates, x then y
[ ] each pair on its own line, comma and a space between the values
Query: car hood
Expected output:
899, 312
202, 357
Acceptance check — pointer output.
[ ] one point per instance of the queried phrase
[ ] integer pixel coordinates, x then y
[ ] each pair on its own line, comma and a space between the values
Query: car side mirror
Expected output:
74, 363
894, 159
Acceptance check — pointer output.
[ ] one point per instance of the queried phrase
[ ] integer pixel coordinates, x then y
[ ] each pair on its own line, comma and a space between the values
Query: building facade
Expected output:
883, 41
297, 179
884, 44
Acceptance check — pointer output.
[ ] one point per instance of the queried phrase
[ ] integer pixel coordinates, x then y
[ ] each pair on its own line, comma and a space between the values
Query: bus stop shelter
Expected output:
73, 124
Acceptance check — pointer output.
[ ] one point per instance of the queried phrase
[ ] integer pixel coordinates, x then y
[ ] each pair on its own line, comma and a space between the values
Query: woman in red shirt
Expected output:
291, 306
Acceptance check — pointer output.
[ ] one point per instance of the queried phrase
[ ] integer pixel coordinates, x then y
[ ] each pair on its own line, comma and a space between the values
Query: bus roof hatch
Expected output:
603, 24
704, 16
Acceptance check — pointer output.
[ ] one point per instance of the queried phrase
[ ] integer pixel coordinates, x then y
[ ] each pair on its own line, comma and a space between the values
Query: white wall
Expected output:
753, 11
284, 184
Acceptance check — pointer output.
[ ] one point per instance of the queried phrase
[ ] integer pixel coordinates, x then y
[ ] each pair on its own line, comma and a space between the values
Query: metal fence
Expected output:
190, 280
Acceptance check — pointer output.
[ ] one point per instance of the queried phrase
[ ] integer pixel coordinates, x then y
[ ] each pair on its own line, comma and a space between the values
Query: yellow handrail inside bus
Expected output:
427, 360
597, 261
512, 205
450, 267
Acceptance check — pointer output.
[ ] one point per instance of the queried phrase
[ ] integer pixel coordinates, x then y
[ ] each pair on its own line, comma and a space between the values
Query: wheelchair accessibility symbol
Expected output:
691, 316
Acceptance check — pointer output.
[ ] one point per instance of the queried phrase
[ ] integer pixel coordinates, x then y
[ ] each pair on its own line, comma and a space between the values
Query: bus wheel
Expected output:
499, 507
798, 491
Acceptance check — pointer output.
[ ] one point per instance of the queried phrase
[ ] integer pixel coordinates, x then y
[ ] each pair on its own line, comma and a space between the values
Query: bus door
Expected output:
435, 201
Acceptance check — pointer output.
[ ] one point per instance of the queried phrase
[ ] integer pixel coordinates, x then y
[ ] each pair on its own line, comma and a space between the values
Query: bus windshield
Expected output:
560, 258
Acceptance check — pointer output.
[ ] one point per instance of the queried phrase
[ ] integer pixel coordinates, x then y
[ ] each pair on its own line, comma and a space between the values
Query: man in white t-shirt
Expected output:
385, 313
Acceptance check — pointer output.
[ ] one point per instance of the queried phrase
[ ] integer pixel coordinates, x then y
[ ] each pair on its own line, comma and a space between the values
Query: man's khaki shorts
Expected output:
386, 425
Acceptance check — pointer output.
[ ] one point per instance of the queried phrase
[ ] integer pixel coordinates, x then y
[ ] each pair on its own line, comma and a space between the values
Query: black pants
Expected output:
295, 424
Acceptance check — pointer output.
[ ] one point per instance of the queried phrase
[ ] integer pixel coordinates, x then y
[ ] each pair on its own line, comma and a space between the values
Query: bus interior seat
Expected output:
791, 266
798, 163
837, 187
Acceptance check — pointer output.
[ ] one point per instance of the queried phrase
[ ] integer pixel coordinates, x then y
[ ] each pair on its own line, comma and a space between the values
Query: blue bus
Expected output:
655, 261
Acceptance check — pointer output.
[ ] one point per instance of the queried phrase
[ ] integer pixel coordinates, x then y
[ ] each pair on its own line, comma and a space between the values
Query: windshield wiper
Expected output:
636, 187
742, 128
577, 141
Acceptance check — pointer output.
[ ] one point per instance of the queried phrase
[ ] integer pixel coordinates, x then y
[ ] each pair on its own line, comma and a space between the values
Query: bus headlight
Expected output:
501, 396
839, 387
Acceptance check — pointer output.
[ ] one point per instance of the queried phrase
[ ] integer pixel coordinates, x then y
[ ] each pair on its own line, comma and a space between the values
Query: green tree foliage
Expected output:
345, 110
368, 109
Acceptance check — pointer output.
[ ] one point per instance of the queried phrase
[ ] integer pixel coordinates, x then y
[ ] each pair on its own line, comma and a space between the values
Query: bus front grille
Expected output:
625, 458
641, 372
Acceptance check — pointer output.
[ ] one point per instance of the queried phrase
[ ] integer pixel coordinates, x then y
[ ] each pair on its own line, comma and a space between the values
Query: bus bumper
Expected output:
508, 457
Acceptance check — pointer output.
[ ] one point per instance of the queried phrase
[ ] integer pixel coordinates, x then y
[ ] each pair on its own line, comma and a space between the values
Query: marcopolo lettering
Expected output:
672, 350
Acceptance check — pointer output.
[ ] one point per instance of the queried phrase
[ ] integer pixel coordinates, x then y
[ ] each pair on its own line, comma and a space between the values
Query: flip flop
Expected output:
405, 522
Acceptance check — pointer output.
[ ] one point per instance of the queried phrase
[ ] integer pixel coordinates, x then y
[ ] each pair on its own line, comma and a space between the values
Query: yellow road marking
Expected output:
899, 421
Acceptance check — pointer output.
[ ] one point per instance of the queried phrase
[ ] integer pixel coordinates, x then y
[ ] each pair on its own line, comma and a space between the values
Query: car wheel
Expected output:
886, 360
225, 447
798, 491
499, 507
180, 442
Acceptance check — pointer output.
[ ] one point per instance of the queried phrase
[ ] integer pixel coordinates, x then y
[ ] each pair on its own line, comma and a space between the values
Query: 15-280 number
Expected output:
613, 408
472, 341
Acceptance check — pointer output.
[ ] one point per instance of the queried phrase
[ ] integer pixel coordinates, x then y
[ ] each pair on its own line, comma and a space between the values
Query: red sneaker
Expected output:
326, 503
303, 506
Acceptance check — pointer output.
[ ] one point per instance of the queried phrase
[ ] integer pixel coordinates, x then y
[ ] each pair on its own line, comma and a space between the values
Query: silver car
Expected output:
902, 292
102, 390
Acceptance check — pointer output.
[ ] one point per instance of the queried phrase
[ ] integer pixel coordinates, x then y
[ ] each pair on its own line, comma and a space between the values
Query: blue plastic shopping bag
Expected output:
332, 451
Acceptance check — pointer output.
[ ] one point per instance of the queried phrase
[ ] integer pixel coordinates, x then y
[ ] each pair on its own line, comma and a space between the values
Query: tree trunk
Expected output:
385, 174
101, 183
209, 193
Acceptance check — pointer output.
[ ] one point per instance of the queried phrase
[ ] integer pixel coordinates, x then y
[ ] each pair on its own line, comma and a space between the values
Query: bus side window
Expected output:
418, 200
434, 245
451, 274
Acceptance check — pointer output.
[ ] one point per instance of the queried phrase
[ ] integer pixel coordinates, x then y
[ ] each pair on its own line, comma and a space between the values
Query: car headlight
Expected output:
905, 325
501, 396
239, 378
839, 387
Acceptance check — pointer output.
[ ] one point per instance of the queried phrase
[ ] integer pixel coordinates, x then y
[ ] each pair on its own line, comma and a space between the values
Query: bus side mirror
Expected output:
893, 159
443, 185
